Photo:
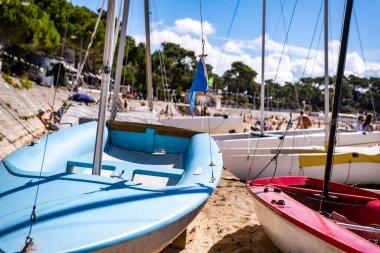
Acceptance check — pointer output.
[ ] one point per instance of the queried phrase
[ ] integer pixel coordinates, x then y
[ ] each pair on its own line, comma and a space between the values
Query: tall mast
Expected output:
327, 109
336, 102
262, 69
149, 85
119, 63
106, 76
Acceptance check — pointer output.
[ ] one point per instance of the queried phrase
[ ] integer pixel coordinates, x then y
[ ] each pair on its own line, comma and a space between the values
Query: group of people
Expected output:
365, 124
54, 119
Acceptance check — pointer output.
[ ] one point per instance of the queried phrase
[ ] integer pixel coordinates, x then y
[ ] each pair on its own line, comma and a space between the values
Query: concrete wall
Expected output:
18, 109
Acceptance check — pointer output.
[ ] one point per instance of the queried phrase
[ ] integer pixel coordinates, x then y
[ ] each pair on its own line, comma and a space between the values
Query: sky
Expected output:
229, 39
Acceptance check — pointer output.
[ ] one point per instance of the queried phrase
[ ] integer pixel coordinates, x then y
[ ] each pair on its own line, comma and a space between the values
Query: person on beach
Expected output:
367, 126
47, 122
304, 121
359, 123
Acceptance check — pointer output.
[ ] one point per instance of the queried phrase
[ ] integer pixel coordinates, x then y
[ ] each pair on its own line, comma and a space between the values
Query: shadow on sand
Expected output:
245, 240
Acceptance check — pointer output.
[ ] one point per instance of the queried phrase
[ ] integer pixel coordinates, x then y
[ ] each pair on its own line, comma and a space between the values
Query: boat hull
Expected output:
350, 170
161, 237
276, 226
298, 139
288, 209
212, 125
153, 183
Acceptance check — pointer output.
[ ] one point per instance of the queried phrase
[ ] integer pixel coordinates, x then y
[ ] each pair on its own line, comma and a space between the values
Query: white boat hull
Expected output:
277, 228
299, 140
291, 164
212, 125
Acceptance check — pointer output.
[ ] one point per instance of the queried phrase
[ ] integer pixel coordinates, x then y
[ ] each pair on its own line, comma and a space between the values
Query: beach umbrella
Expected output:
81, 97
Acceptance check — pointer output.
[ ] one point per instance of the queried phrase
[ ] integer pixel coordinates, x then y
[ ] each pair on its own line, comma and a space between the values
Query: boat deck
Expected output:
141, 167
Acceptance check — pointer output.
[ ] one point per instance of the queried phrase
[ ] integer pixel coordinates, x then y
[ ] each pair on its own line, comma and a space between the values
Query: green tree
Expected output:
27, 26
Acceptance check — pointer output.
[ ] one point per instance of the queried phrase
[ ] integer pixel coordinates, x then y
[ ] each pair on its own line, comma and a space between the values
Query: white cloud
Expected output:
191, 26
186, 32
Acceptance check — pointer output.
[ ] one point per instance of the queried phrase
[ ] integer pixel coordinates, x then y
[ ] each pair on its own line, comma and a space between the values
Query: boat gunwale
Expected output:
315, 232
160, 129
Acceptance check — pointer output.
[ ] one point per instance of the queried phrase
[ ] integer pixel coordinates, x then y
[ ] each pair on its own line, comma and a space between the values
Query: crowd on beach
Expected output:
280, 122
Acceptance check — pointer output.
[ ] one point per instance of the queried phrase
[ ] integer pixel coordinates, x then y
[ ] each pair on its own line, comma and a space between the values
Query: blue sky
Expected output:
178, 21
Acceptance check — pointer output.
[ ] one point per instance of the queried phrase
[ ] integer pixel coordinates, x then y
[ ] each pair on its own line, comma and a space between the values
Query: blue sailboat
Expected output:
105, 186
154, 181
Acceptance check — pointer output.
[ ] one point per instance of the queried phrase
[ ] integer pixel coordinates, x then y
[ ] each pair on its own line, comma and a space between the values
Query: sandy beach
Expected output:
227, 223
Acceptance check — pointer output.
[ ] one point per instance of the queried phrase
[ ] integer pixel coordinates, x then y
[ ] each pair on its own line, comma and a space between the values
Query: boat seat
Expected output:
319, 192
128, 170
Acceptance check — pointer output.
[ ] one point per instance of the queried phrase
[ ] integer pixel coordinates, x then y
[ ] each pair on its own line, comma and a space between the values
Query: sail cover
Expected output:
199, 83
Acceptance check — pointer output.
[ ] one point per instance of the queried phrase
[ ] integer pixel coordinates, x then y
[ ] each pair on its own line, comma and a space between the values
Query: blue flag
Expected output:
199, 83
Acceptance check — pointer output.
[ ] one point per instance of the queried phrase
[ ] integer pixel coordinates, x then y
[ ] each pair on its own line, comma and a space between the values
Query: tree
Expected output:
27, 26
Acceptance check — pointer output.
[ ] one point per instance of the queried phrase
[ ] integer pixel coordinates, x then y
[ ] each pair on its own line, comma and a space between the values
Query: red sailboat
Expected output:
302, 214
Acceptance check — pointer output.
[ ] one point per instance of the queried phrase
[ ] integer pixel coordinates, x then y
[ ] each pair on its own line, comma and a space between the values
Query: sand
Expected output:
227, 223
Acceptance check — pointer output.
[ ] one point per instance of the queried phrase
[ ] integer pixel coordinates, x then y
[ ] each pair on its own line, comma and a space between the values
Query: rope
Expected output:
212, 164
90, 43
365, 66
349, 171
33, 216
274, 158
203, 41
312, 40
228, 34
315, 58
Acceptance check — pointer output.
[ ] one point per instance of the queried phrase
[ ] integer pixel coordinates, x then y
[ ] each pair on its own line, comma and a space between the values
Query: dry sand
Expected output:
227, 223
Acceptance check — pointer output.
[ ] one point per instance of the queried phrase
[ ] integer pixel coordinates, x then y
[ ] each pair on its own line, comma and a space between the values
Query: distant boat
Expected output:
302, 214
208, 124
306, 139
352, 165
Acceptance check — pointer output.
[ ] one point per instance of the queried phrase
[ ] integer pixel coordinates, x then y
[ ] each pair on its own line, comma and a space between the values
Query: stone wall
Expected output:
18, 113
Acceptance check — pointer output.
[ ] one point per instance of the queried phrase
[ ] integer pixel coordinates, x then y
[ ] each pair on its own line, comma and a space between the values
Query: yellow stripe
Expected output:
319, 160
298, 151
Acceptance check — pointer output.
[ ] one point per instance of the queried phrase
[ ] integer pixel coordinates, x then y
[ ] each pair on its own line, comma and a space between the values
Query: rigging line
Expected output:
312, 39
19, 121
318, 199
212, 164
228, 34
160, 56
365, 66
278, 19
10, 141
286, 42
163, 73
274, 158
201, 16
28, 239
90, 43
332, 48
315, 58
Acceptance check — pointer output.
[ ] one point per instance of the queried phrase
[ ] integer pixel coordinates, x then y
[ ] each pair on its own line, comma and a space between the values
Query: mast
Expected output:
327, 109
262, 70
336, 102
148, 58
119, 63
106, 76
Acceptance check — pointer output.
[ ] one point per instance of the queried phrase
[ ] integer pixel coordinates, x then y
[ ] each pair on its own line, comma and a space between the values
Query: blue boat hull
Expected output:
138, 206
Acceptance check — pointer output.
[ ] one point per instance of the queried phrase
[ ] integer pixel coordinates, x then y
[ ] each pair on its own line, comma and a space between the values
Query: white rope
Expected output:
90, 43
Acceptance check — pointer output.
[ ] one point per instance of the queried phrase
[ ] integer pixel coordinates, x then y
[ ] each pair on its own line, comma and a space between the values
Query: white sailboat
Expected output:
238, 149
